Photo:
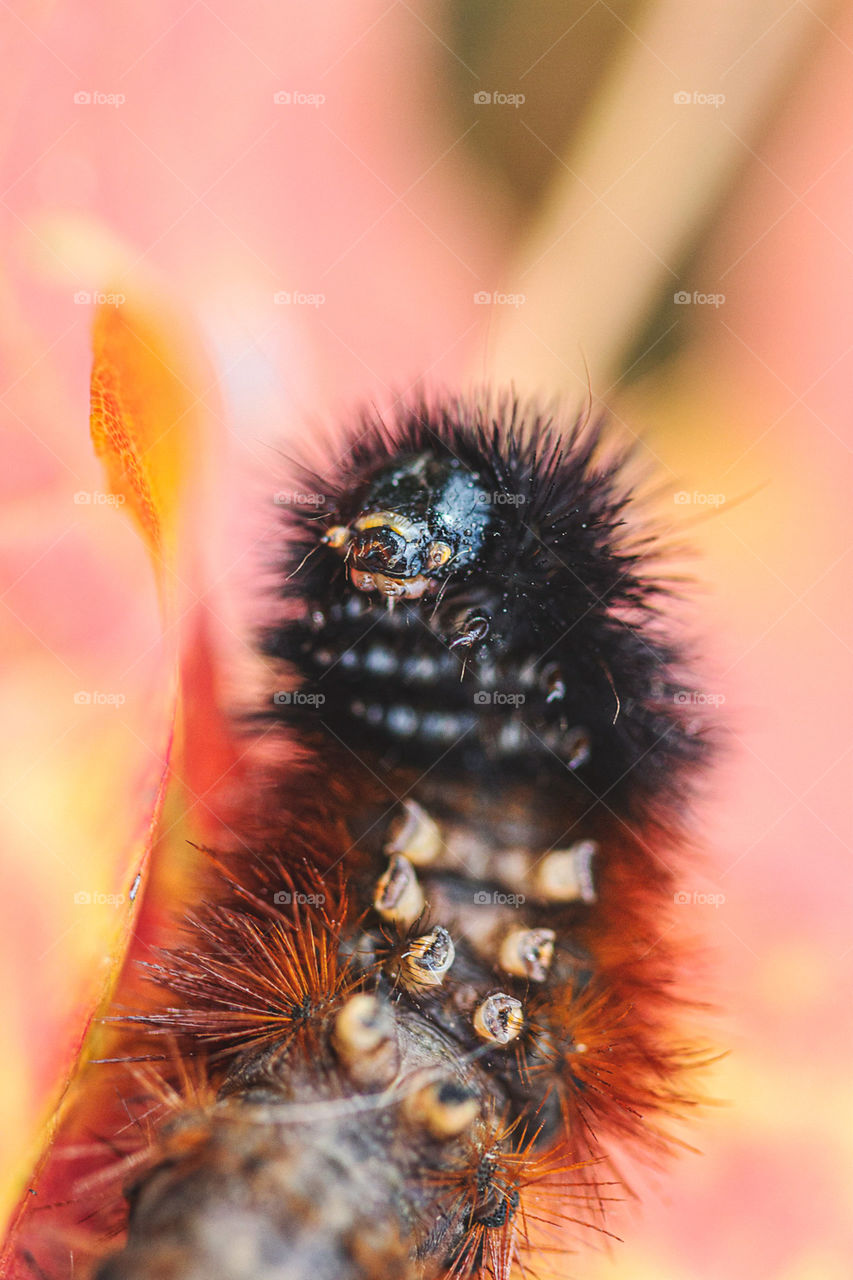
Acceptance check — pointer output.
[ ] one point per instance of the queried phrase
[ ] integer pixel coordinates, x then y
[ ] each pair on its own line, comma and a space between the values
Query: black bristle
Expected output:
574, 673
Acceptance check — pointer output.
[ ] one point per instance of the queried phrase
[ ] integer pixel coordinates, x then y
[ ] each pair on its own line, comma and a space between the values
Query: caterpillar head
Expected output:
412, 524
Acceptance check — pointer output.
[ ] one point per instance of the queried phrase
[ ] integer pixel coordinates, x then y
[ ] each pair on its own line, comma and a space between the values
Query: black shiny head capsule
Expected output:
415, 522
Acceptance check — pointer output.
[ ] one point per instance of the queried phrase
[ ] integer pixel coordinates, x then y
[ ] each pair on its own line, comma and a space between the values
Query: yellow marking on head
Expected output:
389, 520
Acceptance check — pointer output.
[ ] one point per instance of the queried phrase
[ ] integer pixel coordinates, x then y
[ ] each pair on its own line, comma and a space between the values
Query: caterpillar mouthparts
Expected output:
442, 982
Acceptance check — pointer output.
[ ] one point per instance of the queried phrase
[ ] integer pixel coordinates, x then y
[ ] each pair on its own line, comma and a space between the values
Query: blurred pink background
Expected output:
145, 148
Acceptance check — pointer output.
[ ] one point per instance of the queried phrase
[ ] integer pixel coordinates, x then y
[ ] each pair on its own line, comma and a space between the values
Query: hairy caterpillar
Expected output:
433, 984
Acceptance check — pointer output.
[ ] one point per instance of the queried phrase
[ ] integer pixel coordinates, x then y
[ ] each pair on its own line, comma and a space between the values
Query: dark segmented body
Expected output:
524, 701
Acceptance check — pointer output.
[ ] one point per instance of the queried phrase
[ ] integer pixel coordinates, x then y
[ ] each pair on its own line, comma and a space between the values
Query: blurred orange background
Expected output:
649, 201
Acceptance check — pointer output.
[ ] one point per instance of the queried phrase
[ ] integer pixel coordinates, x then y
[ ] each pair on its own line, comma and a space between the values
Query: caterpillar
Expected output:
428, 999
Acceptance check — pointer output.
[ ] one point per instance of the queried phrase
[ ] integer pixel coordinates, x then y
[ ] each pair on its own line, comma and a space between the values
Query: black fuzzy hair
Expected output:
565, 576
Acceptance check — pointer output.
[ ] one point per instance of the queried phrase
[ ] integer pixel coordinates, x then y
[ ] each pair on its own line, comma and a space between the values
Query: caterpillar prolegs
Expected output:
438, 988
